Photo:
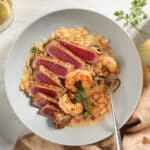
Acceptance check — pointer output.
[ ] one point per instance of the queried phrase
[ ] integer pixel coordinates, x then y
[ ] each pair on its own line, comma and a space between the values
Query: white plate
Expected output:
123, 48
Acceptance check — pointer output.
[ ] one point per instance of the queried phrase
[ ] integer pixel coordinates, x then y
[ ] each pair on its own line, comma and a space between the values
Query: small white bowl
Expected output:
126, 98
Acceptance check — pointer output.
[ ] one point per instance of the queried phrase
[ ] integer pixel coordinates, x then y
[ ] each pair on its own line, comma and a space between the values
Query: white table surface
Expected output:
26, 11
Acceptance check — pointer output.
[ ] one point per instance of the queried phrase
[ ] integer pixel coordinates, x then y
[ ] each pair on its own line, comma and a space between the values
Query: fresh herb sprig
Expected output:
34, 50
135, 16
82, 97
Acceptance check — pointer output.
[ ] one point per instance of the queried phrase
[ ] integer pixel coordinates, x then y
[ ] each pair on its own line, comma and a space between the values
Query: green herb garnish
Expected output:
81, 96
34, 50
135, 16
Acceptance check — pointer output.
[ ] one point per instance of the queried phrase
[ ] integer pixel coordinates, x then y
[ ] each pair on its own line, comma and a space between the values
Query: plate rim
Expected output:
53, 12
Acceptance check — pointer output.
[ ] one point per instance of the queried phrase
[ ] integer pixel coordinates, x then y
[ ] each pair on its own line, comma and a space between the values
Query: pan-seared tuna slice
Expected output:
49, 90
81, 51
57, 50
48, 110
59, 68
39, 100
44, 75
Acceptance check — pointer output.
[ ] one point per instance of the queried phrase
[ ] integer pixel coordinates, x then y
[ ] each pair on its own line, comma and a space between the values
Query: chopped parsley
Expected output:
81, 96
34, 50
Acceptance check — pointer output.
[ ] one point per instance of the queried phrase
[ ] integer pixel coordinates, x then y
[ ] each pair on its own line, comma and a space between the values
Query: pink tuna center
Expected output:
59, 53
81, 52
43, 90
56, 68
48, 111
41, 102
45, 79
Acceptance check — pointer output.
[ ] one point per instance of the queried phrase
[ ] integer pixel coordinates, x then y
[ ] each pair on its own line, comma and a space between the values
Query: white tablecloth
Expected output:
26, 11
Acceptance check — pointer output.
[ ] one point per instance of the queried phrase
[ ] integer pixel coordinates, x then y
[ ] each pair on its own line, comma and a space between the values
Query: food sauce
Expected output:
81, 120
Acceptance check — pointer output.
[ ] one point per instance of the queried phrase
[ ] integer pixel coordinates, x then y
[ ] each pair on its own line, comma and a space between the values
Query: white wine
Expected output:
5, 13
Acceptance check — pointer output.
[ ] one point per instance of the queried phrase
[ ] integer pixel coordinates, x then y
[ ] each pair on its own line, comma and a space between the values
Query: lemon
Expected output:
10, 3
5, 10
144, 52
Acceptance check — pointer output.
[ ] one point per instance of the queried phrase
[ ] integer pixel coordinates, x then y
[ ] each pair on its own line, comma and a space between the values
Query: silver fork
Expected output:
115, 122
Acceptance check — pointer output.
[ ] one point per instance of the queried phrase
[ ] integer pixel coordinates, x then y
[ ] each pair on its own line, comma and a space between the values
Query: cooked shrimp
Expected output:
106, 65
100, 70
110, 63
100, 101
96, 111
76, 76
99, 98
68, 107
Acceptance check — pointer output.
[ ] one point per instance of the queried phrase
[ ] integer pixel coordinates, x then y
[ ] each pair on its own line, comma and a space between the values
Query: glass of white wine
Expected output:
6, 14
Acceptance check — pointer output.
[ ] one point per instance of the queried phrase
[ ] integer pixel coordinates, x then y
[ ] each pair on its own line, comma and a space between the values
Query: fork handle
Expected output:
115, 122
117, 135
